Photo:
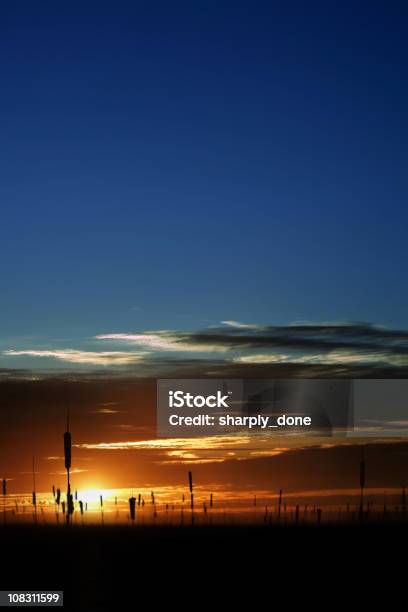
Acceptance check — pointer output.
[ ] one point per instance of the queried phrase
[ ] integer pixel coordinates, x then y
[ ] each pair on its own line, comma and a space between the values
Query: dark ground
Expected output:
117, 568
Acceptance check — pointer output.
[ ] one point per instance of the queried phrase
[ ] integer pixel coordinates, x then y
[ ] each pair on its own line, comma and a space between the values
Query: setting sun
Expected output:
92, 495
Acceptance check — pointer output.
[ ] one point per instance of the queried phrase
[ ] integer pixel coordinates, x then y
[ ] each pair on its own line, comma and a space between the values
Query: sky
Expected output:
206, 189
169, 166
115, 446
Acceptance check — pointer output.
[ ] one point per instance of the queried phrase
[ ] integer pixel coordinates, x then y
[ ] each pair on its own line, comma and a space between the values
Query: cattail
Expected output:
58, 497
152, 496
116, 501
4, 487
67, 446
70, 504
67, 458
211, 500
63, 507
34, 498
76, 495
132, 507
53, 491
102, 513
139, 499
205, 508
67, 450
81, 507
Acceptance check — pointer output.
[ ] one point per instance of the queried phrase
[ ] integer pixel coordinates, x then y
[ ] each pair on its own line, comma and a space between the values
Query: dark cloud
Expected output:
346, 336
240, 350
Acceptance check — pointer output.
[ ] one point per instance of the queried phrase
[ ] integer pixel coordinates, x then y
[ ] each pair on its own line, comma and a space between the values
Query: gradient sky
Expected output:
115, 445
173, 165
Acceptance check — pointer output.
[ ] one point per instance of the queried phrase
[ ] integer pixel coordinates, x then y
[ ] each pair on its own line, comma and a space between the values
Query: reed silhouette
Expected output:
203, 511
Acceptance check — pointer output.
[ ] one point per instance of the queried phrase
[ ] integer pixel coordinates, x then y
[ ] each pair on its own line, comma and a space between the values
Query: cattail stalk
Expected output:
67, 457
132, 508
101, 505
57, 502
34, 500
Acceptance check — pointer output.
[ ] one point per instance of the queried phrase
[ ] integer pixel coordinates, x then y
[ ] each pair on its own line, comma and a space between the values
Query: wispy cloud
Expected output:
203, 443
339, 357
263, 358
163, 341
73, 471
81, 357
238, 325
304, 343
236, 345
105, 411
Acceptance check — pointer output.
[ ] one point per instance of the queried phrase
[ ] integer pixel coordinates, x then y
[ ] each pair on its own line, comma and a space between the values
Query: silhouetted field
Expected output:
111, 567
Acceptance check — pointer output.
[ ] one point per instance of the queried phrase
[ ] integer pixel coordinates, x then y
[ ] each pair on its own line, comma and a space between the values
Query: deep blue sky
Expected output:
170, 165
